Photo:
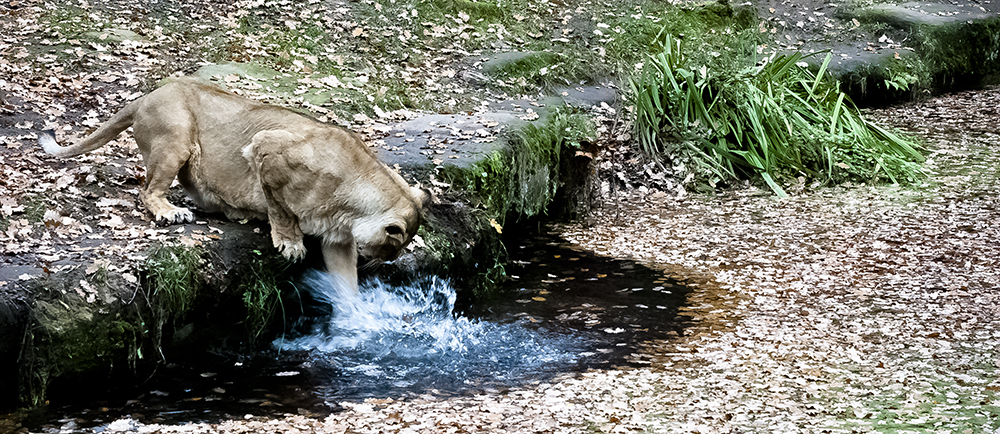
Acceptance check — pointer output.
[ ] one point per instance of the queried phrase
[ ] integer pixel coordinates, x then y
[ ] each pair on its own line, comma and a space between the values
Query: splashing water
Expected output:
389, 337
563, 310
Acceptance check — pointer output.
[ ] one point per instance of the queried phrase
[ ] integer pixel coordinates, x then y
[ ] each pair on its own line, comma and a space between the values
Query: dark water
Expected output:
566, 311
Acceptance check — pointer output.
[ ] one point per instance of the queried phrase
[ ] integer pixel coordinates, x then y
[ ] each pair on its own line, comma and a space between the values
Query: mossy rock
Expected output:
957, 44
875, 77
85, 325
514, 65
114, 35
76, 328
492, 169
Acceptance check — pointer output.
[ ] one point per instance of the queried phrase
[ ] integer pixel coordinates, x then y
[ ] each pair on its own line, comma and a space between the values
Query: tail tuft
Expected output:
47, 139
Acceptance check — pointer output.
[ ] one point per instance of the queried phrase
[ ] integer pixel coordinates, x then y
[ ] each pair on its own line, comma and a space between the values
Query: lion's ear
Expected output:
421, 196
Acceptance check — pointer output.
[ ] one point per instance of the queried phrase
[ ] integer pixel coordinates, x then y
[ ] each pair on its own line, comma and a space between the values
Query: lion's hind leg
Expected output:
165, 157
157, 203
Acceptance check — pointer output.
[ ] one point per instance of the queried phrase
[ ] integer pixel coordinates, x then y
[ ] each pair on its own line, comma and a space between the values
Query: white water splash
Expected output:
410, 335
420, 312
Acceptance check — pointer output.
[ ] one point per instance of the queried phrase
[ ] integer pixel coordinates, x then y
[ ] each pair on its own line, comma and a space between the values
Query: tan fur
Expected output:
248, 159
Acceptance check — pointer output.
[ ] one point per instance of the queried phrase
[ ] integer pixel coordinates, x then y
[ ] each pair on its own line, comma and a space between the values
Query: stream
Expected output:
564, 310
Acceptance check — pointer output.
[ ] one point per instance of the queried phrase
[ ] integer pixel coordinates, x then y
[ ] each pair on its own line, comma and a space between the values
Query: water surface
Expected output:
563, 311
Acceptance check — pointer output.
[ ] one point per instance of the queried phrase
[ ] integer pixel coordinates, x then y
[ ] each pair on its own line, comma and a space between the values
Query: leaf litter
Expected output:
860, 308
845, 309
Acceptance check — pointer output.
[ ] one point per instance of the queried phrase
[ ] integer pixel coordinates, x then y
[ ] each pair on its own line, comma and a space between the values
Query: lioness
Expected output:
248, 159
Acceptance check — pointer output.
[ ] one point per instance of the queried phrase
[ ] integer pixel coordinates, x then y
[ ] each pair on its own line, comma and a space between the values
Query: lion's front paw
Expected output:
175, 215
292, 250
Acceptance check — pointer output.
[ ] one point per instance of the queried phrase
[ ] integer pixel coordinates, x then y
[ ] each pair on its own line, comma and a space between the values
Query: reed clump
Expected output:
775, 121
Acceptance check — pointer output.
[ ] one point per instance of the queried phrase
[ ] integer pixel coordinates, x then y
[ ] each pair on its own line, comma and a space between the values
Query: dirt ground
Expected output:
842, 309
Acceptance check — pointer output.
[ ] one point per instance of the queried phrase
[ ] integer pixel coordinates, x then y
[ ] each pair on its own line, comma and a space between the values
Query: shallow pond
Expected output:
565, 311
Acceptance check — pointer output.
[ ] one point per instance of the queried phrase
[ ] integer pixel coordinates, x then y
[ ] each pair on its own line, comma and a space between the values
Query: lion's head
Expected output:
383, 236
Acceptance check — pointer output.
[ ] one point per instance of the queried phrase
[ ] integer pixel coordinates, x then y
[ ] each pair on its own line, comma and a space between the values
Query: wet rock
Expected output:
891, 52
957, 43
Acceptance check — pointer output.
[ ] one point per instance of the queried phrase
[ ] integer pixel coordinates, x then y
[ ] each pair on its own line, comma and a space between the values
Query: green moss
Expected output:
537, 153
477, 10
81, 331
73, 336
488, 182
34, 208
525, 70
960, 50
522, 178
475, 252
518, 180
72, 22
79, 341
889, 79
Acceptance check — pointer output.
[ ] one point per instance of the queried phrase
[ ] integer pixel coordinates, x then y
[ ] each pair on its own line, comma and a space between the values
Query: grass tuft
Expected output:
174, 282
173, 275
775, 120
262, 293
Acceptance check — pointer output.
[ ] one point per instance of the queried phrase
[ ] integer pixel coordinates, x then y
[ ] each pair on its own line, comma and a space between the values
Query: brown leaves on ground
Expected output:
860, 309
844, 309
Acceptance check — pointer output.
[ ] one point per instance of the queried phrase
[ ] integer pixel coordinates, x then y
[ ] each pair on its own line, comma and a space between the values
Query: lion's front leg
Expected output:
273, 169
342, 263
285, 231
287, 237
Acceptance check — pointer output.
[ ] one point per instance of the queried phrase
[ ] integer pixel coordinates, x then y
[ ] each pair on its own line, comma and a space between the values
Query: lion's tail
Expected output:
104, 134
